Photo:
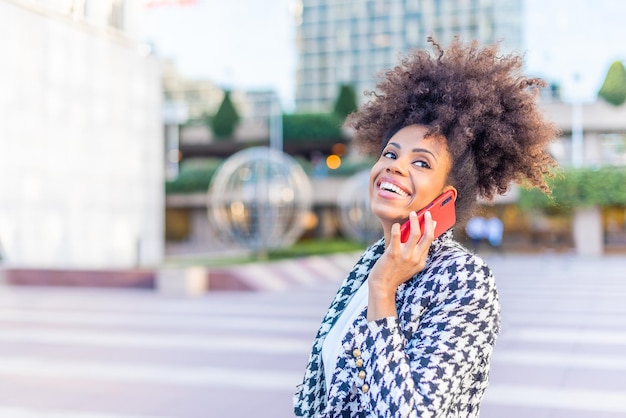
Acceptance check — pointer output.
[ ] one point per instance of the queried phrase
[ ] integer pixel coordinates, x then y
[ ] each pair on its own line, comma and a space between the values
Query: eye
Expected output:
389, 154
421, 163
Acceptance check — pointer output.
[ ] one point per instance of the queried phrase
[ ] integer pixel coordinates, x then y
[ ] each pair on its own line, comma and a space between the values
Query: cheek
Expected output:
375, 171
370, 186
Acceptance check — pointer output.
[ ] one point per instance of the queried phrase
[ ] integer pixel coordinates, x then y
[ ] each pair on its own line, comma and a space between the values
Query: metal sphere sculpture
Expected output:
260, 197
356, 219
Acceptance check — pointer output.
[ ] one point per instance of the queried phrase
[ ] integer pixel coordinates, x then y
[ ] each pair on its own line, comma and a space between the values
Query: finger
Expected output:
394, 243
429, 229
416, 231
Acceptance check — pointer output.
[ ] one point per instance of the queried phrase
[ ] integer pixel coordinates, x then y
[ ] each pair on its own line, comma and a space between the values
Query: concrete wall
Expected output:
597, 116
598, 119
81, 172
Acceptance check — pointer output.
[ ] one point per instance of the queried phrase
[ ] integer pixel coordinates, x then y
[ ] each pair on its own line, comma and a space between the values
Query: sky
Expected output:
250, 44
574, 42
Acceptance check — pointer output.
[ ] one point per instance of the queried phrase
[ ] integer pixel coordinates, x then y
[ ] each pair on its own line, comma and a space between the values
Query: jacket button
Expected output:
359, 362
365, 388
356, 353
362, 374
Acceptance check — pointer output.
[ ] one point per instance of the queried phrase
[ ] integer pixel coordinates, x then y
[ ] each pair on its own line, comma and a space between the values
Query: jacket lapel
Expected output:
311, 395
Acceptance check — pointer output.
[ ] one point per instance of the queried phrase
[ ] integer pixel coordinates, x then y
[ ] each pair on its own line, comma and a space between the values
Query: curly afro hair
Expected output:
480, 103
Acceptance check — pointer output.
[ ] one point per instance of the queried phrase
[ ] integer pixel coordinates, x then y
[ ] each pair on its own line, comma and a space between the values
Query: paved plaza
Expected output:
130, 353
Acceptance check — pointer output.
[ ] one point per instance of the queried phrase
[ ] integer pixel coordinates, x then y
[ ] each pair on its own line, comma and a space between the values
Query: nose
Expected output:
396, 167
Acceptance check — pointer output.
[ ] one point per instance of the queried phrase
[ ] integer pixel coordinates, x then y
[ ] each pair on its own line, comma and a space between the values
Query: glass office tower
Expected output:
350, 41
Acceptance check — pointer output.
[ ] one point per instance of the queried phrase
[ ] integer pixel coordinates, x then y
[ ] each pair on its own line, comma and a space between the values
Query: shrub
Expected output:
346, 102
321, 127
225, 120
578, 188
194, 176
613, 89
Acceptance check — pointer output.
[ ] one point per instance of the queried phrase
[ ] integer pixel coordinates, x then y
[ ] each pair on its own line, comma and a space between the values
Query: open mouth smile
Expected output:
390, 187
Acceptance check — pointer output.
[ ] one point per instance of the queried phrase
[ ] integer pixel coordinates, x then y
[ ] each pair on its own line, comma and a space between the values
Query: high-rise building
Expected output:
350, 41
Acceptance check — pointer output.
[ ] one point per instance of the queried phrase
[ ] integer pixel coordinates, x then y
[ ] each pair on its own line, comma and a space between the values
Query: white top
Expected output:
332, 344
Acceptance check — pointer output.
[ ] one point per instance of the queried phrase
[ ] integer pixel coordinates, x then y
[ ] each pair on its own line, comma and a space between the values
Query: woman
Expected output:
411, 330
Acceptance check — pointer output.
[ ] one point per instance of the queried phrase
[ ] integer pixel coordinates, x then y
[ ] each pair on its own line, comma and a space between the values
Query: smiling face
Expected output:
412, 171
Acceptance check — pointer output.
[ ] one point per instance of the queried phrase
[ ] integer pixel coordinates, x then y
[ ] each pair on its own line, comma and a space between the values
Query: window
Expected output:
116, 14
412, 33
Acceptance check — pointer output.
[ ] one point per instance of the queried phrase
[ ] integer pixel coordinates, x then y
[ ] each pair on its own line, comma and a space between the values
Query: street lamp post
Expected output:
577, 126
276, 125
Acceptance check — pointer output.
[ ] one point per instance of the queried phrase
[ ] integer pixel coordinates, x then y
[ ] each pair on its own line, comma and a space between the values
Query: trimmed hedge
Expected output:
321, 127
194, 176
604, 186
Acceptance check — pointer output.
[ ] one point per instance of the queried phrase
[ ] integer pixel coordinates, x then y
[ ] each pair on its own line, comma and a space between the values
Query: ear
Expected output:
450, 187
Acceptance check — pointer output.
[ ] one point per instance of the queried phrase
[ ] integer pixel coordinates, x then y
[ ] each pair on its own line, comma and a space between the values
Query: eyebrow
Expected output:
395, 144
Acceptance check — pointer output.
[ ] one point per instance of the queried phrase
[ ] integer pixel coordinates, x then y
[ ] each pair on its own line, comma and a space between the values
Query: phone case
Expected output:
442, 210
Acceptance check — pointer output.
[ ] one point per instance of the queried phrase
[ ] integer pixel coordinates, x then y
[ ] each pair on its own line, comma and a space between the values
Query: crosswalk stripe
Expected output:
273, 344
272, 324
557, 319
305, 304
563, 335
560, 359
557, 398
265, 380
19, 412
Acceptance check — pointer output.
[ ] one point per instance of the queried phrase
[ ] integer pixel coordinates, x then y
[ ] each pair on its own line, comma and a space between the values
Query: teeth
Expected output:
393, 188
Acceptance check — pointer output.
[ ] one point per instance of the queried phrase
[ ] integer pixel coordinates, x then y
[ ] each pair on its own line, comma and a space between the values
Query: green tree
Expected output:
613, 89
225, 120
302, 127
346, 101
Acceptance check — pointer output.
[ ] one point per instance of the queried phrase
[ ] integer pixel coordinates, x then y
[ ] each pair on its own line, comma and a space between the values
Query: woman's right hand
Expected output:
397, 264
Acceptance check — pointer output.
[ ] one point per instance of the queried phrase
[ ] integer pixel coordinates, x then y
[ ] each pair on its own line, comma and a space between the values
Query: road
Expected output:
129, 353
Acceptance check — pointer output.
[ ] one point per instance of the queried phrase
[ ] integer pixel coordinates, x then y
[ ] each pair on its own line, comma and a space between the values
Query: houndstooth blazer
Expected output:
430, 361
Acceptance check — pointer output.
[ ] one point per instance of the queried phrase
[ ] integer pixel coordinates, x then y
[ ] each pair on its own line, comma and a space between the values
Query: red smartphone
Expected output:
442, 210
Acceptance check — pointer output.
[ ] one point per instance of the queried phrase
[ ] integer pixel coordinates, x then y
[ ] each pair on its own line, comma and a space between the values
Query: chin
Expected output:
390, 214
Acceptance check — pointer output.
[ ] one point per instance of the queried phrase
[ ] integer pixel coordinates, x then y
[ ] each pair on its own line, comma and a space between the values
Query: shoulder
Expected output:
458, 273
450, 255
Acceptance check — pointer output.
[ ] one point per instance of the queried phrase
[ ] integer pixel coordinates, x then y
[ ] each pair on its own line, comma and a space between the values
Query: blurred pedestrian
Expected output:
411, 330
320, 169
476, 231
495, 230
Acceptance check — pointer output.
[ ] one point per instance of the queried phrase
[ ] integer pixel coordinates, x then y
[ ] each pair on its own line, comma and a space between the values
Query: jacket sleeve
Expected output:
436, 362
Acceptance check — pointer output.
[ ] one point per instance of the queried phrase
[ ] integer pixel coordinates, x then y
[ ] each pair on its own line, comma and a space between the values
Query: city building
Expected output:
189, 105
82, 155
200, 97
349, 42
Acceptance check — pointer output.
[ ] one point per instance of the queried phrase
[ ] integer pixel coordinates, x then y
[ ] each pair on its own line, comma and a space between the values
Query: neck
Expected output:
387, 231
